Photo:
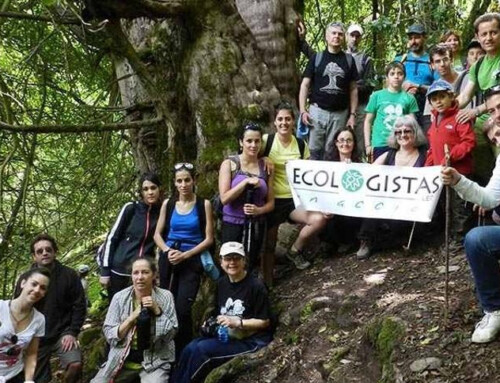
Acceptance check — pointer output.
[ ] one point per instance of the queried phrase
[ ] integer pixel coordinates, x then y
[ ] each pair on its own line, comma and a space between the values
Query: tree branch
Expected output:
83, 128
27, 16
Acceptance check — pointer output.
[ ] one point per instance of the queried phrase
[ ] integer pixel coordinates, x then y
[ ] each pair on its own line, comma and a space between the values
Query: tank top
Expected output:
185, 228
391, 158
233, 211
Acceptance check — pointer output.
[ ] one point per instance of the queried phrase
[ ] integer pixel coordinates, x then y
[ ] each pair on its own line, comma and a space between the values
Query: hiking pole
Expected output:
407, 247
447, 239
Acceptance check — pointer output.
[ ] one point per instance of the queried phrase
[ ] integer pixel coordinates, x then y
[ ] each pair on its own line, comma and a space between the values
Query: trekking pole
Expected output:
447, 239
407, 247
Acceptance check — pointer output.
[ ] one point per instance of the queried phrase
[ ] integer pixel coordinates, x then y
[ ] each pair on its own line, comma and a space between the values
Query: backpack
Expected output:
404, 58
99, 254
270, 139
216, 201
319, 57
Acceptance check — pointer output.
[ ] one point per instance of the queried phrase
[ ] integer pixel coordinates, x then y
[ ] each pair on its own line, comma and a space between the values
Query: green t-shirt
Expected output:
485, 78
387, 106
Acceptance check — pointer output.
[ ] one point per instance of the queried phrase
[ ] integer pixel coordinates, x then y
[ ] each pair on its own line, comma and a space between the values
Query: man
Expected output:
331, 76
64, 307
364, 65
419, 73
482, 244
483, 74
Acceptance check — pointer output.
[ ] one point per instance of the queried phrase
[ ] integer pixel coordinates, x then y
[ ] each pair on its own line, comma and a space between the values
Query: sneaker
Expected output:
487, 329
364, 250
298, 260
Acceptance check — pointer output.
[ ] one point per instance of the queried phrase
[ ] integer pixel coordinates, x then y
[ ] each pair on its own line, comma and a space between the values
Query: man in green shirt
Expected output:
483, 74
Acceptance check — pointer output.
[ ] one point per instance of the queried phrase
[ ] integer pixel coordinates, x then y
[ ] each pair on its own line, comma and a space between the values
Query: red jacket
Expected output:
459, 137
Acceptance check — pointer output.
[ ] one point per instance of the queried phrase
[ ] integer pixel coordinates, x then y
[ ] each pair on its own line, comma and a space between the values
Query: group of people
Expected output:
430, 100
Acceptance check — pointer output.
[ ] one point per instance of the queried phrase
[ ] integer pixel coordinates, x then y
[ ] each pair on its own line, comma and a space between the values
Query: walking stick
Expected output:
447, 239
407, 247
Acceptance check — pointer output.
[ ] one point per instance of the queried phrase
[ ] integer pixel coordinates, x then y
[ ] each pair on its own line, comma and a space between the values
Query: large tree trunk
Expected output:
206, 69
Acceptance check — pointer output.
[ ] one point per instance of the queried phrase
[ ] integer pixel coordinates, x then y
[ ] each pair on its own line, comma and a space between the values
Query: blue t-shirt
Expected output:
418, 69
186, 229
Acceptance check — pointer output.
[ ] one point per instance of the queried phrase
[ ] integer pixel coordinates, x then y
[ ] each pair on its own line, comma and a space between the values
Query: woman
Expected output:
140, 326
21, 327
286, 147
407, 145
452, 39
242, 307
246, 191
131, 236
341, 230
187, 223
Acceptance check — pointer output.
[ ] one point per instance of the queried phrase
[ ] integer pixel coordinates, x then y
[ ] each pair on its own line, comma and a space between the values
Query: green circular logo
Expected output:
352, 180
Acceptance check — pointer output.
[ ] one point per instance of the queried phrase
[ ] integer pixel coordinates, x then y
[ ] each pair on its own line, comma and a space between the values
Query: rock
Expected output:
375, 279
451, 269
423, 364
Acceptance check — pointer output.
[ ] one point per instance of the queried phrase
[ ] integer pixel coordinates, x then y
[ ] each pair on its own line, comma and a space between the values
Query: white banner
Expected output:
364, 190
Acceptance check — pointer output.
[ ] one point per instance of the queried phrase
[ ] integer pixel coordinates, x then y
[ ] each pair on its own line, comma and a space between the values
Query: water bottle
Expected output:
223, 334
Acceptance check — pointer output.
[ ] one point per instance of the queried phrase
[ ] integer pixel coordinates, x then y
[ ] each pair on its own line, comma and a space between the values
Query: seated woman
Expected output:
140, 327
131, 236
21, 326
285, 147
185, 229
407, 145
246, 191
243, 307
342, 230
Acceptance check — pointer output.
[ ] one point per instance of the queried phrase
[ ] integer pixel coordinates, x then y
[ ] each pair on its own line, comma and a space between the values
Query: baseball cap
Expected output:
417, 29
439, 86
355, 28
473, 44
232, 248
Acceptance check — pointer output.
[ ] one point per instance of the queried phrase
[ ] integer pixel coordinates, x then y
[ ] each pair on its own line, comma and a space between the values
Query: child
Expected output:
385, 106
460, 139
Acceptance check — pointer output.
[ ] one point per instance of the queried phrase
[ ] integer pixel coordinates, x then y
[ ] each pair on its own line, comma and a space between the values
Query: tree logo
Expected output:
352, 180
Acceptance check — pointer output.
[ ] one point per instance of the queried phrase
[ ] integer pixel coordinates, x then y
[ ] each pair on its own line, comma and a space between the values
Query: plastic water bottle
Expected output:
223, 334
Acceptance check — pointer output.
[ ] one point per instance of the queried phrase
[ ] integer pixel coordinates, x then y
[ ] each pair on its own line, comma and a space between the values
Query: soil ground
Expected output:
328, 314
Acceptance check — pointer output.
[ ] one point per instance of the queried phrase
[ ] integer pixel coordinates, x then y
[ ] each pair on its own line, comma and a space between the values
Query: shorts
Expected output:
45, 351
283, 207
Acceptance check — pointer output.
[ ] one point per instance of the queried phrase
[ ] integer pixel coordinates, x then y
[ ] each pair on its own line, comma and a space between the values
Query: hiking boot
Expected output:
298, 260
364, 250
487, 328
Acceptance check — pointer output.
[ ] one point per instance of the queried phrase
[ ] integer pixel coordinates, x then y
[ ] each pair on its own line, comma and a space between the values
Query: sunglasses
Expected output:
12, 351
183, 165
406, 132
493, 90
252, 126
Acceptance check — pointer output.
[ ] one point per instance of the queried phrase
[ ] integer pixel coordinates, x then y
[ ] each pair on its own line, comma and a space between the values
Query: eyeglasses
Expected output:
183, 165
13, 351
406, 132
345, 141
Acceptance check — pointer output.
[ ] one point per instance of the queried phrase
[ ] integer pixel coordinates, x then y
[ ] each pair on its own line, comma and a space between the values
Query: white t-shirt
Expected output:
12, 353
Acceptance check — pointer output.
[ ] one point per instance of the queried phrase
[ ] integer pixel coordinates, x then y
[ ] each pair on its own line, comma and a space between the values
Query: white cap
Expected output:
355, 28
232, 248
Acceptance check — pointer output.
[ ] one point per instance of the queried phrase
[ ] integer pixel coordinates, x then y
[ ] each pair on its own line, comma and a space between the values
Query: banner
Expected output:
364, 190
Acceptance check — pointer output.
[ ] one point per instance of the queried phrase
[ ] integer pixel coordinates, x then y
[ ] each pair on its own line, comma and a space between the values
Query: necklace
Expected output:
407, 160
15, 318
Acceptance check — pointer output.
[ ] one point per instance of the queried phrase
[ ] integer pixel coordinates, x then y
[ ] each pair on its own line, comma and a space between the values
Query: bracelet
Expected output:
354, 114
161, 312
477, 112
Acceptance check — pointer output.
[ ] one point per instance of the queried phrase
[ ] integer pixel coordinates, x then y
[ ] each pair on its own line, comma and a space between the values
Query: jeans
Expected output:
204, 354
325, 125
482, 247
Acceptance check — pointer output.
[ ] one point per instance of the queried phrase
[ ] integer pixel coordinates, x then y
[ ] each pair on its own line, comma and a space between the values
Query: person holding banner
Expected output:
286, 147
246, 191
407, 145
482, 244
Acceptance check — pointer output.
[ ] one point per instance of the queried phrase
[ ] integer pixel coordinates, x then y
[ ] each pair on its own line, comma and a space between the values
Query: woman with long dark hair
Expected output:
131, 236
185, 229
21, 327
246, 191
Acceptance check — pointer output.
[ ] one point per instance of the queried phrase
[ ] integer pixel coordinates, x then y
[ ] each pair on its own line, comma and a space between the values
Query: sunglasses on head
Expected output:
252, 126
398, 133
493, 90
183, 165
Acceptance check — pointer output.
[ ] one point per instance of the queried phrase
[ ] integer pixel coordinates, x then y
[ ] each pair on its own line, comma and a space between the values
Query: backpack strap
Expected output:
317, 60
302, 146
404, 56
478, 65
269, 144
170, 210
202, 214
350, 60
